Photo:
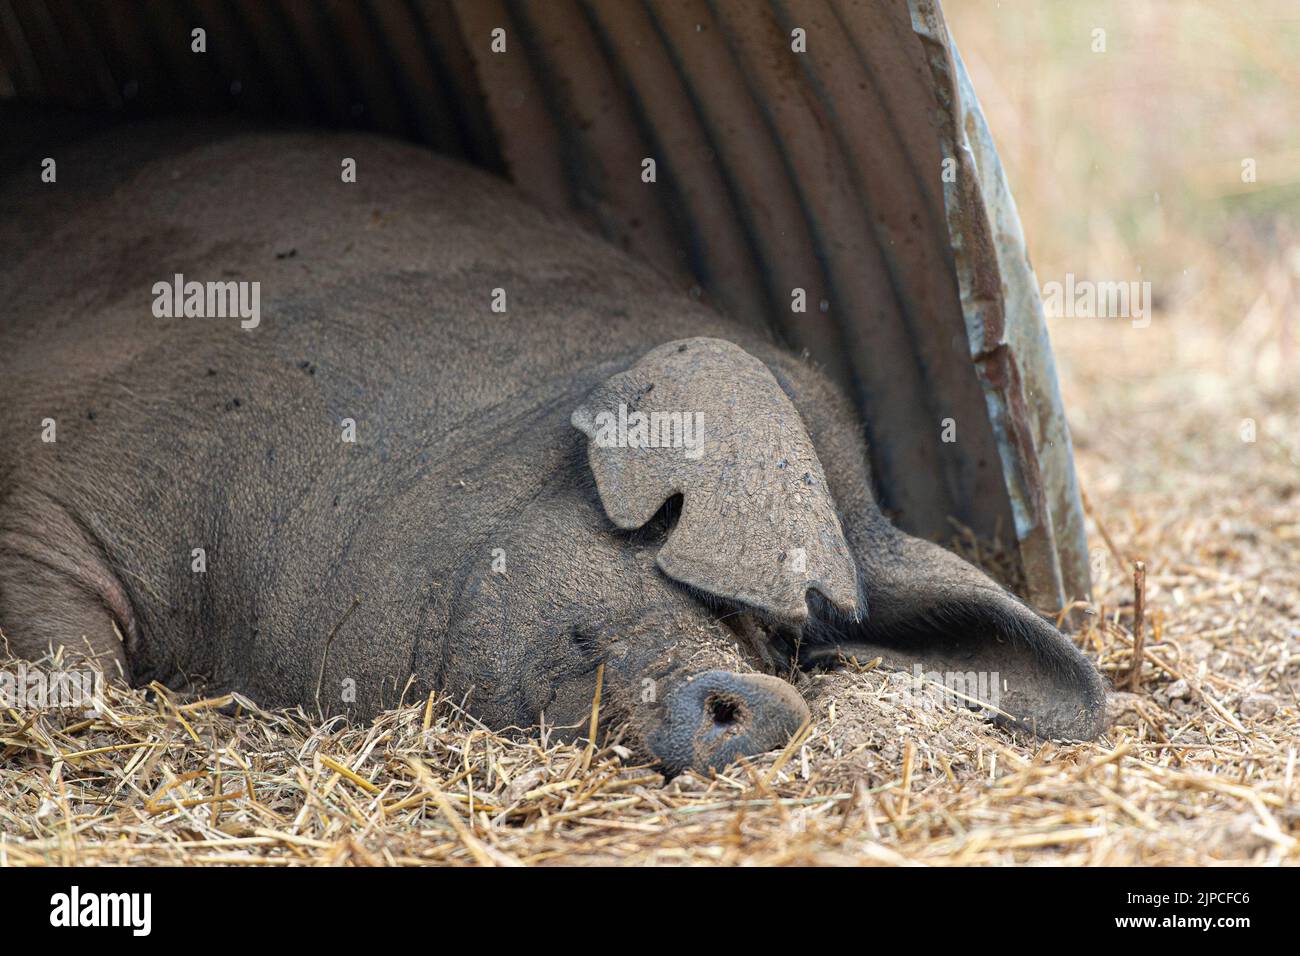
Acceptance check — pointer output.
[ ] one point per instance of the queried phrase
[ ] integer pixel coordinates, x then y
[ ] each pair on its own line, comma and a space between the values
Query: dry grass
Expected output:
1199, 767
1200, 764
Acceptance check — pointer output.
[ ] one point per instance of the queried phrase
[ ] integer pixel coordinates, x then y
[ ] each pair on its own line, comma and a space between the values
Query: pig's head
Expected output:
579, 598
702, 552
700, 455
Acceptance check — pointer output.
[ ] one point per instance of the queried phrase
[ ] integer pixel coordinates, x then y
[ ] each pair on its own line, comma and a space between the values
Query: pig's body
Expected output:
463, 522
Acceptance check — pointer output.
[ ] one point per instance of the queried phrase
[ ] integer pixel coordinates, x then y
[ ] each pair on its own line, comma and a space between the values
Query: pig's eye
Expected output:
657, 529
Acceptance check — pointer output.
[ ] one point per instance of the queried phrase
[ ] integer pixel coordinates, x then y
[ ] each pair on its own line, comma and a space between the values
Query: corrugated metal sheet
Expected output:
777, 170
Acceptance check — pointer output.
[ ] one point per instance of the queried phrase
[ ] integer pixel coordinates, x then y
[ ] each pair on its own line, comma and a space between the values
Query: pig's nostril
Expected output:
725, 711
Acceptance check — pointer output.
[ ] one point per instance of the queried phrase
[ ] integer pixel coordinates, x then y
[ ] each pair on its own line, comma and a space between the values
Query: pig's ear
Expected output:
704, 419
933, 614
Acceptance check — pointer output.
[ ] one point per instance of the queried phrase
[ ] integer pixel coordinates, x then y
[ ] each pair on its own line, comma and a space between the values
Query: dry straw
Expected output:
1187, 774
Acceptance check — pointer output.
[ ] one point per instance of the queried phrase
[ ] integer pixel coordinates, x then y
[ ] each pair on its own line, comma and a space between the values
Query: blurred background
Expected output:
1127, 165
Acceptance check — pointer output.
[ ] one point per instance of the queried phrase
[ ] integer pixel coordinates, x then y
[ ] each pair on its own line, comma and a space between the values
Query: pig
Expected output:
342, 441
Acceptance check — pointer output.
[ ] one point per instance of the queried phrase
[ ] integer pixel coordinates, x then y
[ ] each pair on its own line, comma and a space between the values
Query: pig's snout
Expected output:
719, 716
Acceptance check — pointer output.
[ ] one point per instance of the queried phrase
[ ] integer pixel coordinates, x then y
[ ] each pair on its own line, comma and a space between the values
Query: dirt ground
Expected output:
1188, 449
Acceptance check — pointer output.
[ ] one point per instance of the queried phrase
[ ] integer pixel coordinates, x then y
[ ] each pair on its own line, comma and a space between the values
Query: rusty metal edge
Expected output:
1026, 332
1007, 334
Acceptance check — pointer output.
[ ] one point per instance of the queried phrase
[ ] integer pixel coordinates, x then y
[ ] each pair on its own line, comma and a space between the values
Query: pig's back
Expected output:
375, 308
